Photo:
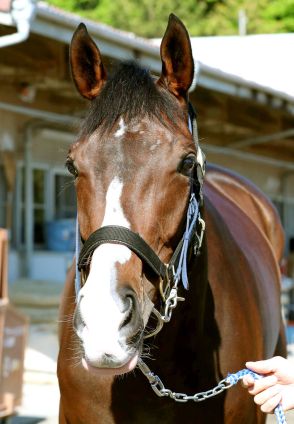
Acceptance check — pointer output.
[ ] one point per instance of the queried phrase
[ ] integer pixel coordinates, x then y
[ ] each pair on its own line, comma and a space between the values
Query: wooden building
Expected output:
243, 125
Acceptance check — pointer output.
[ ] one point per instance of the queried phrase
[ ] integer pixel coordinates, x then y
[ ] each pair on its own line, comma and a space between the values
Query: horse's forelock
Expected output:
130, 93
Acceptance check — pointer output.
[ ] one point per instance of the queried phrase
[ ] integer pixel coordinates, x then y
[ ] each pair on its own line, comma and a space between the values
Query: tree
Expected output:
202, 17
263, 16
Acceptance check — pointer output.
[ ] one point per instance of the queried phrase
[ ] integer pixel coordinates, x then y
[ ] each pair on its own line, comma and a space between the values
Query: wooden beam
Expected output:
249, 156
263, 139
242, 113
271, 151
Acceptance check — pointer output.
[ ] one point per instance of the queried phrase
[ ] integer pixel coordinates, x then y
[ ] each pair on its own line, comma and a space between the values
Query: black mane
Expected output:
130, 92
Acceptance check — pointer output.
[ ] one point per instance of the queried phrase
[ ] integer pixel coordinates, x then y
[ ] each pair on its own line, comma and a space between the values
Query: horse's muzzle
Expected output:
109, 338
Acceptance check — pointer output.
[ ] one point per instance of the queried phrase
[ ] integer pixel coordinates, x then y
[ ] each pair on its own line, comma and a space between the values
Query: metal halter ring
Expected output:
164, 292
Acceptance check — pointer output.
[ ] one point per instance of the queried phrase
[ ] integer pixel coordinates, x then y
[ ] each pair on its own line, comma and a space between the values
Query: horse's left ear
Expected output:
177, 59
87, 68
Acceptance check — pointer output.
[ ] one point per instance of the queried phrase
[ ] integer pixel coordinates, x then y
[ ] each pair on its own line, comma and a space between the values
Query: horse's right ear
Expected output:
87, 68
177, 59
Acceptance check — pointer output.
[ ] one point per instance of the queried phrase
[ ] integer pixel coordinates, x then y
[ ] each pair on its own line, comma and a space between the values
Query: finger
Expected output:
288, 397
264, 396
247, 381
267, 366
262, 384
271, 404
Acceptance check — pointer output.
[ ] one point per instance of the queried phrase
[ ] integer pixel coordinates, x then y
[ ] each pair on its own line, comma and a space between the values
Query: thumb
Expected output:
264, 367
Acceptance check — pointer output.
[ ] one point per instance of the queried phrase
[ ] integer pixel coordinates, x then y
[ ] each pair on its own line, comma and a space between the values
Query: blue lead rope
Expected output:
192, 216
234, 378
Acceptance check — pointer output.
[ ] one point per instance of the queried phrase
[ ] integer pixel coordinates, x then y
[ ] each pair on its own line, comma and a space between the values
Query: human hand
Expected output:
277, 385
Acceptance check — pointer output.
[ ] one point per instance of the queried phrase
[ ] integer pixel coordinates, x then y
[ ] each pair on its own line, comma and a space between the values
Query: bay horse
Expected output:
142, 205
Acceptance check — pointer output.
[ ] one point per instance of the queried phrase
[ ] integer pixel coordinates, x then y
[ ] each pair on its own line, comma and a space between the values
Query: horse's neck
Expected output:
189, 343
197, 297
191, 318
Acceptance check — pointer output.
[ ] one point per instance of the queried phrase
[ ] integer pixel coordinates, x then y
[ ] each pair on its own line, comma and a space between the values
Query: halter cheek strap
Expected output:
201, 159
77, 253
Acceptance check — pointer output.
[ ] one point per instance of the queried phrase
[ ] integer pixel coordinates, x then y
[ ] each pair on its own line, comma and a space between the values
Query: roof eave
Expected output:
215, 79
59, 25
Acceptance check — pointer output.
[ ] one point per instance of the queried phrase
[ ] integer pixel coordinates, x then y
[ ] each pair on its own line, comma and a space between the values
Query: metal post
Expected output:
29, 234
242, 22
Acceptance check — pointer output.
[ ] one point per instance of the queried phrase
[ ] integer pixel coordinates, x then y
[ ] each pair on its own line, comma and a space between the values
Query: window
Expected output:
53, 198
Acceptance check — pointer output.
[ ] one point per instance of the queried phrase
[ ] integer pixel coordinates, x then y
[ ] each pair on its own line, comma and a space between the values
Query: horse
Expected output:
153, 297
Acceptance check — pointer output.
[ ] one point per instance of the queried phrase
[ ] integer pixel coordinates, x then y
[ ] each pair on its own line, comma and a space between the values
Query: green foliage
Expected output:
202, 17
85, 4
149, 19
263, 16
279, 16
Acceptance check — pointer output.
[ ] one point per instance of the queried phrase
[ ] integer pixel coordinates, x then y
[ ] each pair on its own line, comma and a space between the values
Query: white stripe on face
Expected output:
101, 308
122, 129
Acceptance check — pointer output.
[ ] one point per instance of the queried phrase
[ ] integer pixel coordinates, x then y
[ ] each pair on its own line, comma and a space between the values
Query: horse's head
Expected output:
133, 163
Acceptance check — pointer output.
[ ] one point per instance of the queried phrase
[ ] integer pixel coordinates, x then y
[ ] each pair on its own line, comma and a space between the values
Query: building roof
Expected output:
259, 66
256, 67
58, 24
261, 60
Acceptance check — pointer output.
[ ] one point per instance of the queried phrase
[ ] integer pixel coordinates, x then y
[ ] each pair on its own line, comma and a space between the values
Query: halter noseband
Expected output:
176, 270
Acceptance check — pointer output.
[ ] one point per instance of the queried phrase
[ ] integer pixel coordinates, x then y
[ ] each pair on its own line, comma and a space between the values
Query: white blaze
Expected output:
100, 306
121, 130
155, 145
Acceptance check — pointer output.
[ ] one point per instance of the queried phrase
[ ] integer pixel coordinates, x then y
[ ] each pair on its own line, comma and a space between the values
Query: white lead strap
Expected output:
190, 125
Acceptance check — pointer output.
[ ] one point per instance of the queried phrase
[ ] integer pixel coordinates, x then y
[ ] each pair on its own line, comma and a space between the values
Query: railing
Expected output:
13, 335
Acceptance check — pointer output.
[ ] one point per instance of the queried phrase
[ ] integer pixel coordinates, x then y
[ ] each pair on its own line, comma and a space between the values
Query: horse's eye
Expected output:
71, 167
187, 165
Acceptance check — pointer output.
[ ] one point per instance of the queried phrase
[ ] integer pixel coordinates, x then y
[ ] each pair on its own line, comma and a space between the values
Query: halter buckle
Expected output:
171, 303
199, 238
164, 292
83, 277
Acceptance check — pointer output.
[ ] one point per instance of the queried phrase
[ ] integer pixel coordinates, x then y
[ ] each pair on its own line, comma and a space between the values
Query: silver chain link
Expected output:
159, 388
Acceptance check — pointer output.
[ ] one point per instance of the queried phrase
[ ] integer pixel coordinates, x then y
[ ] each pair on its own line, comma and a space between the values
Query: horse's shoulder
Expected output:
247, 197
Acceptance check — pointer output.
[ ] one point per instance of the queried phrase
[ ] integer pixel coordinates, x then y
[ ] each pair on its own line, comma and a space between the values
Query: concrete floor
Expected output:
40, 390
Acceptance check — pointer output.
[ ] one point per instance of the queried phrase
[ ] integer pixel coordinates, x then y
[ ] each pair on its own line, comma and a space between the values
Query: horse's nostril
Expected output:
109, 356
129, 308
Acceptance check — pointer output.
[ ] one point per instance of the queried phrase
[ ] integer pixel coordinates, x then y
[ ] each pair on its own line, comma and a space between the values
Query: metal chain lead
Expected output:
159, 388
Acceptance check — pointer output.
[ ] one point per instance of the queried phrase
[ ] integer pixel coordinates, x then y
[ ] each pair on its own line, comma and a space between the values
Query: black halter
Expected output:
170, 272
121, 235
